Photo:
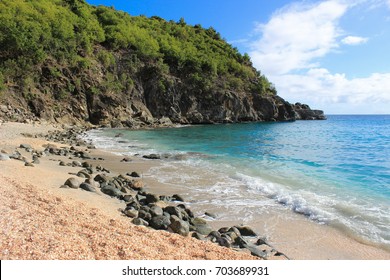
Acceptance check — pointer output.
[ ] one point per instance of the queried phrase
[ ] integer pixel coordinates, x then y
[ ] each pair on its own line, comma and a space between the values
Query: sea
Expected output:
334, 172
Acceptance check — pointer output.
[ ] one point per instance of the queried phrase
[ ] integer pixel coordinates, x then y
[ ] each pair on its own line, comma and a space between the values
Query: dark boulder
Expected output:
87, 187
132, 213
152, 198
160, 222
201, 226
246, 231
111, 191
179, 226
156, 211
152, 156
133, 174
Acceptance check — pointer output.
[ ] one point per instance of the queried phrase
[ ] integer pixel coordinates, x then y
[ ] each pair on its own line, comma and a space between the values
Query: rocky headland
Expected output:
80, 64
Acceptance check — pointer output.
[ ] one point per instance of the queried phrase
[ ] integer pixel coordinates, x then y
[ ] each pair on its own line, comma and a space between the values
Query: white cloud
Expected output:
319, 86
290, 46
296, 35
354, 40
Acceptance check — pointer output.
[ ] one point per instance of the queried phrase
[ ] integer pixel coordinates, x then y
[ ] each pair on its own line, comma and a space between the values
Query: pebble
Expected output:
72, 183
133, 174
132, 213
140, 222
87, 187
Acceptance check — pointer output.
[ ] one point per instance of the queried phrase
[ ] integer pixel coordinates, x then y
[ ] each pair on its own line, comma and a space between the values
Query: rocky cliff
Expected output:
69, 62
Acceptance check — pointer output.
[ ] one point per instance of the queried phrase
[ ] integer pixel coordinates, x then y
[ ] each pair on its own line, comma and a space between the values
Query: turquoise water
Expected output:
335, 172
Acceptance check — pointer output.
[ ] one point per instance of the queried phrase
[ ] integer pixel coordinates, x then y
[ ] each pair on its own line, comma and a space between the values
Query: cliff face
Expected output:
147, 106
69, 62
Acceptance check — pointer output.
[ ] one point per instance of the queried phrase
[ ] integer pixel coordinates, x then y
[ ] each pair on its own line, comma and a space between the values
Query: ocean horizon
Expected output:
334, 172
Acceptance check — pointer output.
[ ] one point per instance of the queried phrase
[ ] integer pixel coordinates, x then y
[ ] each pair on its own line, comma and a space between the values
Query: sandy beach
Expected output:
40, 220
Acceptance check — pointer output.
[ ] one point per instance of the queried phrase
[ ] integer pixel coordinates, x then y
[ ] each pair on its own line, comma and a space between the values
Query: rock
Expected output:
186, 212
173, 210
83, 174
234, 230
76, 163
180, 227
201, 226
198, 236
92, 183
140, 222
36, 161
101, 178
246, 231
141, 198
132, 213
257, 252
152, 198
224, 242
119, 135
165, 198
224, 229
232, 234
4, 157
214, 236
72, 183
241, 242
136, 185
133, 174
177, 197
111, 191
126, 159
29, 164
145, 116
87, 187
261, 241
160, 222
144, 215
4, 108
132, 204
156, 211
152, 156
303, 112
26, 146
86, 165
62, 163
128, 198
211, 215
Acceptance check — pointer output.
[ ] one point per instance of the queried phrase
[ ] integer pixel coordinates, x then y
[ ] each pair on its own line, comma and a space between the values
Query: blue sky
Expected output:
333, 55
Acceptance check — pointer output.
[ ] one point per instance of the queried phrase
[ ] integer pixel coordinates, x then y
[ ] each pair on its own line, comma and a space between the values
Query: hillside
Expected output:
70, 62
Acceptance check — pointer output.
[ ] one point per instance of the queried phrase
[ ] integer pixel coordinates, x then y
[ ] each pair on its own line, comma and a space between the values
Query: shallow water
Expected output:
335, 172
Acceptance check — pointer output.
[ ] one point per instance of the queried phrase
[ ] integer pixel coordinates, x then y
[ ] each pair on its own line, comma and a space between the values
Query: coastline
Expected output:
23, 184
40, 220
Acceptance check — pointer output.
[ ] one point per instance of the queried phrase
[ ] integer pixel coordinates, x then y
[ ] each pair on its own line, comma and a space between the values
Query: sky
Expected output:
333, 55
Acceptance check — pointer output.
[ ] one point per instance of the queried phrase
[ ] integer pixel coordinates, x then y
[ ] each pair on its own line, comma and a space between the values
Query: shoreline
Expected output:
322, 242
41, 220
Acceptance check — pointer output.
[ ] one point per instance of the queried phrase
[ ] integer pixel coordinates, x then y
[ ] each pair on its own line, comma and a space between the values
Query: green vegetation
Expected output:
63, 47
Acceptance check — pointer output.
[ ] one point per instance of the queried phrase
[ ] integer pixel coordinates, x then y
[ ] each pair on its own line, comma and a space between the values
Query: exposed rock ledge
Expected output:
151, 108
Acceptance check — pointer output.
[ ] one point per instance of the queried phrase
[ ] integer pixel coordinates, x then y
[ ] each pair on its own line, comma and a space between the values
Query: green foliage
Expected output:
2, 85
78, 40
